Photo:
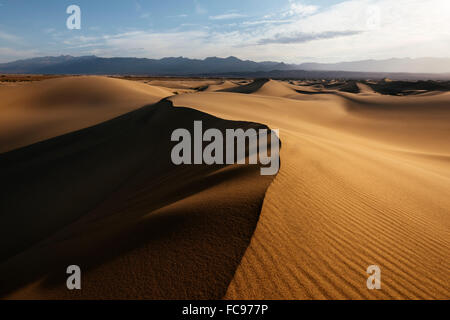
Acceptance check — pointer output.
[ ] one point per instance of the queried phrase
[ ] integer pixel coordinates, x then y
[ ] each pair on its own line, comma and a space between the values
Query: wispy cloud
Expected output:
9, 37
265, 22
299, 9
49, 30
178, 16
81, 40
9, 54
302, 37
227, 16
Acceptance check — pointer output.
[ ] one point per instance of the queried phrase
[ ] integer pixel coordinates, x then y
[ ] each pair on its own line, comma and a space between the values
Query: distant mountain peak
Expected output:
231, 58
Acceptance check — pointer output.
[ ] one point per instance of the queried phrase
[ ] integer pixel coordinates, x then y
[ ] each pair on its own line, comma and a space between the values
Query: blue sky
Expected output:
281, 30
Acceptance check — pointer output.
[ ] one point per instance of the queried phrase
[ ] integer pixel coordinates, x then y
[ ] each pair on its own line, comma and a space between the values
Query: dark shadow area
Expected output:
109, 199
248, 88
312, 92
402, 88
344, 86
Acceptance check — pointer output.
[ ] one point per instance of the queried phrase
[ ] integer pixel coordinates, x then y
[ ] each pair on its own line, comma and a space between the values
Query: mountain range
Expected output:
181, 66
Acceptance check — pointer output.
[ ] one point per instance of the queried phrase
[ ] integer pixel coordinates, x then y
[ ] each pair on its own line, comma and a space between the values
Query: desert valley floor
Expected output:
86, 179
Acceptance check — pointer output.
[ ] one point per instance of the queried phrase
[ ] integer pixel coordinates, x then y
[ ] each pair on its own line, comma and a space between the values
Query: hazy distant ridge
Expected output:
212, 65
420, 65
165, 66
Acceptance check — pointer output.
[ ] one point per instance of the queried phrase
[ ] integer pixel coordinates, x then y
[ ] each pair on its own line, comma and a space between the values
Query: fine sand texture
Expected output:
87, 179
364, 180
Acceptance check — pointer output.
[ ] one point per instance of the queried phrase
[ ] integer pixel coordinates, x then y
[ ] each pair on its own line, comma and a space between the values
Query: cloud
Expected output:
9, 37
299, 9
349, 30
302, 37
49, 30
152, 44
227, 16
10, 54
265, 22
81, 40
178, 16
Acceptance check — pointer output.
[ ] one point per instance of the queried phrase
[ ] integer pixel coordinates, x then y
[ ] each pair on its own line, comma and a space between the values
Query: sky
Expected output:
291, 31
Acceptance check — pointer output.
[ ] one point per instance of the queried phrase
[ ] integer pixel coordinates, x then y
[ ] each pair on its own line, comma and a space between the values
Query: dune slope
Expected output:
364, 180
41, 110
224, 85
109, 199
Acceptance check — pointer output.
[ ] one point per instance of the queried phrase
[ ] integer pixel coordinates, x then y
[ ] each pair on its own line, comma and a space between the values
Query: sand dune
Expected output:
276, 89
365, 89
264, 87
248, 88
109, 199
221, 86
37, 111
364, 180
187, 84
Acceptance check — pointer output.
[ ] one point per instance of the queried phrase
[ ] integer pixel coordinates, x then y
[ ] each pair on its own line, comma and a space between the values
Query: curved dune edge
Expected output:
138, 226
34, 112
363, 182
221, 86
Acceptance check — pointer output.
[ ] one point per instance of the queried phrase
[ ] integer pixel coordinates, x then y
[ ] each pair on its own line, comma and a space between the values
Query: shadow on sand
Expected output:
109, 199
